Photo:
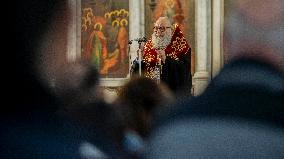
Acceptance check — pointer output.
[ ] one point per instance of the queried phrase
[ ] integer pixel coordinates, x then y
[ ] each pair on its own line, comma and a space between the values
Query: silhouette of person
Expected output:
240, 114
32, 125
137, 103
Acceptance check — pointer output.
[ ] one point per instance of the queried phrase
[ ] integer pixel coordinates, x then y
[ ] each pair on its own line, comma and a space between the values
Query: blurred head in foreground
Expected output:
255, 29
240, 114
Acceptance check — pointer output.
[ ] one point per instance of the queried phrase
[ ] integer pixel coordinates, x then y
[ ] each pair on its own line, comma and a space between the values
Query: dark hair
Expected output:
137, 99
29, 20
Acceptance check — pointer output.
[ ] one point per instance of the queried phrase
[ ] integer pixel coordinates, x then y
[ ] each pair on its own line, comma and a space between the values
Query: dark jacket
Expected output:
240, 115
244, 88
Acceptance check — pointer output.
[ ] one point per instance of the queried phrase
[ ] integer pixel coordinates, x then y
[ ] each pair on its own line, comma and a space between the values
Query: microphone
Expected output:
130, 42
143, 39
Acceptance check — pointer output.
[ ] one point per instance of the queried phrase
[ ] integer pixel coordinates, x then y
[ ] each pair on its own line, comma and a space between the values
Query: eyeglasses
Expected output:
161, 28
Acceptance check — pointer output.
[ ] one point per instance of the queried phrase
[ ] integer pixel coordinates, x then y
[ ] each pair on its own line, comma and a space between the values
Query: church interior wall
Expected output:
203, 27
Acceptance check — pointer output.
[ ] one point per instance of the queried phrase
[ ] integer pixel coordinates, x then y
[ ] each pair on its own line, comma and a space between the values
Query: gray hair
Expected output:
239, 28
165, 20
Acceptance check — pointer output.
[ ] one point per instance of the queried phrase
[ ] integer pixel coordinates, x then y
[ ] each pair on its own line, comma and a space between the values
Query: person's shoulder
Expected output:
196, 134
42, 137
177, 110
177, 31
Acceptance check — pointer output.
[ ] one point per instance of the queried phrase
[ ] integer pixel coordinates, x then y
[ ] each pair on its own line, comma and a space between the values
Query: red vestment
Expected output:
177, 47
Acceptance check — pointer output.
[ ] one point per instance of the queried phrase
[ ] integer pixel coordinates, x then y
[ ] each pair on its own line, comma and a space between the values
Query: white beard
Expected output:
162, 42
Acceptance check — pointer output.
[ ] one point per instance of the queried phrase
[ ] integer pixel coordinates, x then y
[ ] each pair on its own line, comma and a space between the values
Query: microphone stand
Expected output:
129, 43
140, 40
139, 58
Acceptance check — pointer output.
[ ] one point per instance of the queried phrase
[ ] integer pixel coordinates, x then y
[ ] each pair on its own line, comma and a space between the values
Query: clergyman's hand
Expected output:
162, 55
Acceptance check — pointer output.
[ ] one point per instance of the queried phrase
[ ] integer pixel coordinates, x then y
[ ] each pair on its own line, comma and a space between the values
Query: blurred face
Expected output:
160, 30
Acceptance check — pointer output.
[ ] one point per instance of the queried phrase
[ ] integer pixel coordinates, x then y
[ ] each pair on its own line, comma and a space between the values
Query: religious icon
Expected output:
104, 39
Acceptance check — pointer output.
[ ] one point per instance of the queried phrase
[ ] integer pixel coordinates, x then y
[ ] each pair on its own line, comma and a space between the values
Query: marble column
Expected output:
203, 46
217, 35
137, 25
74, 30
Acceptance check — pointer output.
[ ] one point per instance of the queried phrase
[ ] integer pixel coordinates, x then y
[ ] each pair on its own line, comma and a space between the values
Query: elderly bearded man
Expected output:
166, 56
